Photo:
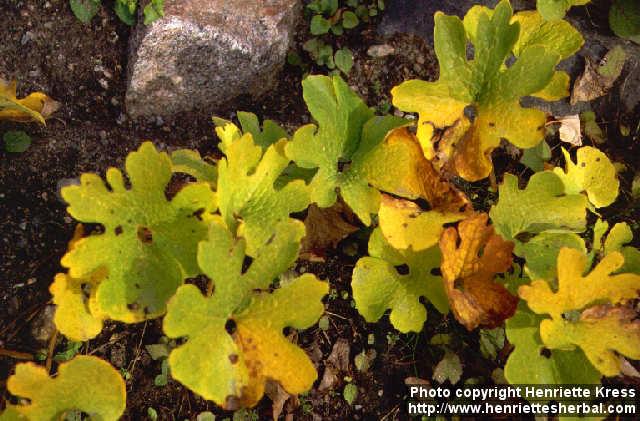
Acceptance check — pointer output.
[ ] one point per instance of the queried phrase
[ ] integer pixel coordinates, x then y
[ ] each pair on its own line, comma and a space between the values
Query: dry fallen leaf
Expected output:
598, 78
570, 129
35, 107
325, 227
278, 396
471, 257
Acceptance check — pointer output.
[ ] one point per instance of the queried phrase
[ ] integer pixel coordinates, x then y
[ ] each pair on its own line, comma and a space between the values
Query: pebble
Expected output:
381, 50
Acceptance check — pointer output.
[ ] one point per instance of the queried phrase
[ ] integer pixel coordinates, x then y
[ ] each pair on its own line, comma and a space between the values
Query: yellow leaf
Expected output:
35, 107
593, 173
576, 291
404, 225
471, 257
602, 332
87, 384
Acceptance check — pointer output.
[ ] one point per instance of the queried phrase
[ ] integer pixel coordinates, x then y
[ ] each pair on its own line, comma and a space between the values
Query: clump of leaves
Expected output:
335, 17
484, 87
72, 389
149, 243
36, 106
234, 336
126, 10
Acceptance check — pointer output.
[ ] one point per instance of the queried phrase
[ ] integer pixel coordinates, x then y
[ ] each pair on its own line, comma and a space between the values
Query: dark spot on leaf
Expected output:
246, 263
597, 159
118, 230
133, 306
458, 283
492, 124
145, 235
402, 269
137, 285
198, 214
436, 272
230, 326
233, 358
545, 352
270, 240
405, 225
424, 205
583, 164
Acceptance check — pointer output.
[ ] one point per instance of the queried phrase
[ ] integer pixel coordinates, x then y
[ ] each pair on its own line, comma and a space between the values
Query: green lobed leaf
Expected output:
541, 252
542, 205
74, 388
149, 243
377, 285
250, 203
231, 369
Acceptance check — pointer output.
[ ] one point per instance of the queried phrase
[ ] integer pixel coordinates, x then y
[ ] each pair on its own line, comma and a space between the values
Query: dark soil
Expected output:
46, 48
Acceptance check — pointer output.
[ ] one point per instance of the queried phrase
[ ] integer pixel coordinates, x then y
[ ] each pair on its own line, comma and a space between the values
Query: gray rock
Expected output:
204, 53
416, 17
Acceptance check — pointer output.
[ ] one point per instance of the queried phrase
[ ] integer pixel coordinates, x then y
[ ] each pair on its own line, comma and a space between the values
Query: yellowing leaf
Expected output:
404, 225
576, 291
35, 107
471, 257
86, 384
603, 333
234, 337
248, 199
378, 285
149, 243
593, 173
485, 84
415, 178
541, 206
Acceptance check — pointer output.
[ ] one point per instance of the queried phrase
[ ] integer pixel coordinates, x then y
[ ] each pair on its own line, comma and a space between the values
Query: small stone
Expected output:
104, 83
204, 53
103, 135
42, 327
382, 50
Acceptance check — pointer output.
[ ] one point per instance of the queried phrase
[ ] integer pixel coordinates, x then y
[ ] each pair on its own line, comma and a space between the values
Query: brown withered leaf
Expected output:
469, 269
325, 228
598, 78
